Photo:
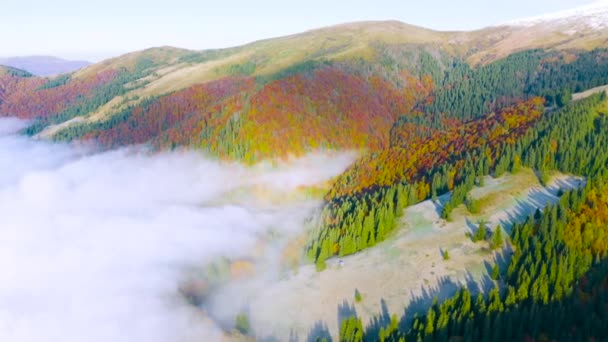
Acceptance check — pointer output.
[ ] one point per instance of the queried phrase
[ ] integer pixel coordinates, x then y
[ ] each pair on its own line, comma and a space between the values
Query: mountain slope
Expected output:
432, 116
593, 16
350, 86
584, 28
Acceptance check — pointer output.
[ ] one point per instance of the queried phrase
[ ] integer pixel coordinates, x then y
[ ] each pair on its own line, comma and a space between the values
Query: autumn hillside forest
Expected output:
429, 116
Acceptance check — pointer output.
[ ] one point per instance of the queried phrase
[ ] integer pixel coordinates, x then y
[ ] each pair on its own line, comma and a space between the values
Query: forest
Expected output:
555, 284
294, 104
402, 96
452, 151
433, 126
385, 183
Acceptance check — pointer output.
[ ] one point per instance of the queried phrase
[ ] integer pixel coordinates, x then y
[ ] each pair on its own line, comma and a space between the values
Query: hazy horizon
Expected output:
117, 28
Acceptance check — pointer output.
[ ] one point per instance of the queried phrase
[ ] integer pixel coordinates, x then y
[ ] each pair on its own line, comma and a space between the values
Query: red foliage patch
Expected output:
411, 161
178, 118
24, 98
329, 108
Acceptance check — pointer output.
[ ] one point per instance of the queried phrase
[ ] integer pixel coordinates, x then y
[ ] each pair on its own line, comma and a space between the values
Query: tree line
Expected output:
556, 282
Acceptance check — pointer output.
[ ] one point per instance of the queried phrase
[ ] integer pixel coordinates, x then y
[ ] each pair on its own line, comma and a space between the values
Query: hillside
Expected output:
298, 93
374, 87
416, 251
583, 28
407, 98
461, 173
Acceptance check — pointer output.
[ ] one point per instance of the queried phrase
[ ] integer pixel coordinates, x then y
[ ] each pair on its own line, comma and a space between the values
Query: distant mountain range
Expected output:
43, 65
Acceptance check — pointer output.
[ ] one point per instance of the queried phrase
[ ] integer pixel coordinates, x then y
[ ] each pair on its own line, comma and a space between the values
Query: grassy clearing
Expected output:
417, 250
491, 195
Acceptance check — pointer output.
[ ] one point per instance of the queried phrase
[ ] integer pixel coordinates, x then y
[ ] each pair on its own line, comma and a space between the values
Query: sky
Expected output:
94, 30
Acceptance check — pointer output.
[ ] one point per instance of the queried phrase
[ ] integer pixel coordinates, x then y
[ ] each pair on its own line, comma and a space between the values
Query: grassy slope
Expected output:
519, 39
165, 70
178, 69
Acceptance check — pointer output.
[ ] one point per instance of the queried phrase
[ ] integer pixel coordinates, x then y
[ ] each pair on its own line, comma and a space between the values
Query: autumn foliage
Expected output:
27, 98
178, 118
411, 161
241, 118
589, 227
329, 108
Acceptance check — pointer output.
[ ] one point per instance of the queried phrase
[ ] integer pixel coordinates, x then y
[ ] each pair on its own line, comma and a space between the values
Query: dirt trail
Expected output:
587, 93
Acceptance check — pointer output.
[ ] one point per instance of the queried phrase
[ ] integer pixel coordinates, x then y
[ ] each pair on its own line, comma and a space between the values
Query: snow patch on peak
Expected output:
591, 16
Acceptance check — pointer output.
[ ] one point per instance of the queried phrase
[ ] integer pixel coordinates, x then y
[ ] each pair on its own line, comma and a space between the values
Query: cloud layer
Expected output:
92, 246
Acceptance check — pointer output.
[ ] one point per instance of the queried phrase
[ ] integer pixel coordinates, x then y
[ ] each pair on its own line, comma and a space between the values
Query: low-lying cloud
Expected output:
93, 246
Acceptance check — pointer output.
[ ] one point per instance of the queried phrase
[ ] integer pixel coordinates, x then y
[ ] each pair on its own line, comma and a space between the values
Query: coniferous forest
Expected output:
555, 284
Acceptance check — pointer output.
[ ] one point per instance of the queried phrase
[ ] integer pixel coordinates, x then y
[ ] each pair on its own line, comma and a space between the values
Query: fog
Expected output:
93, 247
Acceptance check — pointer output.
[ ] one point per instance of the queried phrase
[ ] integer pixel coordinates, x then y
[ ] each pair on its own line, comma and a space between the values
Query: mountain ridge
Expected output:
307, 77
44, 65
595, 11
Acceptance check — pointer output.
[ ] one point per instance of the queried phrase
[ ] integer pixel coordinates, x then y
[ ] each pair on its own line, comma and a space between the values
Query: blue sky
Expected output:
98, 29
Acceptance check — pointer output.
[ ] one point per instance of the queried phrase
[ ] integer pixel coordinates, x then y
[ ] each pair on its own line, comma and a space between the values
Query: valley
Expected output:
367, 181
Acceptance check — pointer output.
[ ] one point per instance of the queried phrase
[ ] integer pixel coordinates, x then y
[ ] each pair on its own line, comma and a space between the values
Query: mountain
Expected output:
585, 27
454, 130
352, 86
43, 65
593, 16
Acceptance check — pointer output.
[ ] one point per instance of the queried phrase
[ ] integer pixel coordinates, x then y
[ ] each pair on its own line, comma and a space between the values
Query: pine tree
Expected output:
242, 324
497, 239
495, 272
351, 330
358, 297
481, 233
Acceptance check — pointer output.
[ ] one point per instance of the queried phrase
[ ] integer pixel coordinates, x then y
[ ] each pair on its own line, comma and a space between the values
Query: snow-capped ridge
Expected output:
591, 16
